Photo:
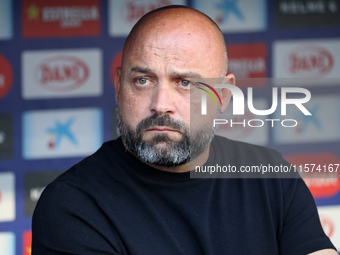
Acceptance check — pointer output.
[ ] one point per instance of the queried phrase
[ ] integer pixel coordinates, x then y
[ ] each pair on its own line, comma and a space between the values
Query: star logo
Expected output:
226, 8
307, 120
59, 131
33, 12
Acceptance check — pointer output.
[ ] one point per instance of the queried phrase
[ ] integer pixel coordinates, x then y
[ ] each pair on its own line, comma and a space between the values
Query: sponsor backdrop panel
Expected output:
61, 133
6, 19
321, 126
330, 220
248, 60
7, 243
307, 13
124, 14
235, 16
57, 104
58, 18
6, 76
66, 73
315, 59
6, 136
7, 196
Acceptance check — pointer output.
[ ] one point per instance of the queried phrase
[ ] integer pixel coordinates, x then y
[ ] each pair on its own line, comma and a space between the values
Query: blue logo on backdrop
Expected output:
306, 121
229, 7
59, 131
235, 15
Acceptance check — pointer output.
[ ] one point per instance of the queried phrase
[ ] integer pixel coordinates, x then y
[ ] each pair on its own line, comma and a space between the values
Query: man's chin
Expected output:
162, 146
163, 153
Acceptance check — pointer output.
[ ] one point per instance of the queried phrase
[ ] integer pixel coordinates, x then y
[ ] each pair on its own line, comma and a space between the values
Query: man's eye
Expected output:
142, 81
185, 83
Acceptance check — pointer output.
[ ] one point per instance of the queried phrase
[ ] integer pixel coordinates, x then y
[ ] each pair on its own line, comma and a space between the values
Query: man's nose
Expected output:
162, 100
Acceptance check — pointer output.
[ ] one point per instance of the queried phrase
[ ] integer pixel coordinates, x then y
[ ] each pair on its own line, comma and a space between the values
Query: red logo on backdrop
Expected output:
134, 10
27, 243
309, 61
55, 18
62, 73
248, 60
6, 76
327, 225
117, 62
321, 181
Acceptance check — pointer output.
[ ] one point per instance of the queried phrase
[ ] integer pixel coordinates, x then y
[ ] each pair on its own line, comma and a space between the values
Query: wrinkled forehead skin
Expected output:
179, 36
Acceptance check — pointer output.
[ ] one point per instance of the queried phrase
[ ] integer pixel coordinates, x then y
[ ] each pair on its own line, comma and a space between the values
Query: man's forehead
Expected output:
190, 62
172, 40
170, 50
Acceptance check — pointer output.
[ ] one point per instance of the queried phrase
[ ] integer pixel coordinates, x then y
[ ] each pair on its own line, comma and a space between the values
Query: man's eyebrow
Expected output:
185, 74
137, 69
141, 70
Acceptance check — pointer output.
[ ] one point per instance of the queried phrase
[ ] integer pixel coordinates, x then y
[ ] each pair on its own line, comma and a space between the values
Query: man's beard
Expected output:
171, 153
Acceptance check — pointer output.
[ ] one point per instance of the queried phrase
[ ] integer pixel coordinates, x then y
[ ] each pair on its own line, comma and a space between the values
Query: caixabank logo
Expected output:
321, 126
61, 133
57, 18
62, 73
235, 15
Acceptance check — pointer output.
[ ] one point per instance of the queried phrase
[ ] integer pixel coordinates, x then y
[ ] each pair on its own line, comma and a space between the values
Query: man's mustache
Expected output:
161, 120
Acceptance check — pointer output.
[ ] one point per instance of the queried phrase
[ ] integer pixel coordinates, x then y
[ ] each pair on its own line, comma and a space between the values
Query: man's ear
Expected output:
117, 81
225, 93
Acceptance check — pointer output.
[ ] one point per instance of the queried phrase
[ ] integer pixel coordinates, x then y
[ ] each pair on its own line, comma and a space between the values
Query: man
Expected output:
135, 194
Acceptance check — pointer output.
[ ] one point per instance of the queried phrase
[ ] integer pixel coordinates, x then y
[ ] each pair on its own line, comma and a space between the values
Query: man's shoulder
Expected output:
93, 168
92, 175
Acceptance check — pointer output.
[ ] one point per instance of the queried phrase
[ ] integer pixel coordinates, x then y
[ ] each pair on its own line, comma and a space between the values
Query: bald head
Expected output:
186, 25
166, 51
